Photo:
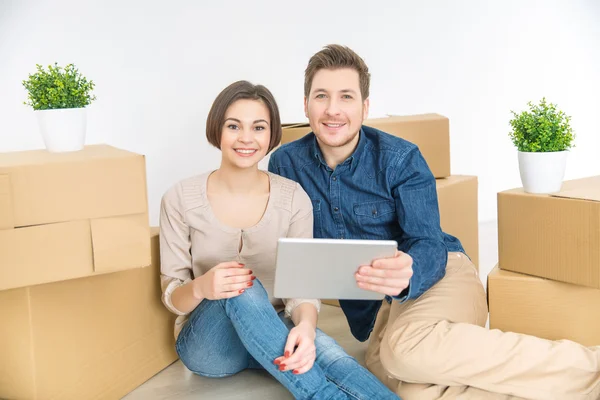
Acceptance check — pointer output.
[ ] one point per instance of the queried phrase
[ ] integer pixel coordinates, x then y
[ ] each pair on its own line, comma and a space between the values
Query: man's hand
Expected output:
389, 276
300, 350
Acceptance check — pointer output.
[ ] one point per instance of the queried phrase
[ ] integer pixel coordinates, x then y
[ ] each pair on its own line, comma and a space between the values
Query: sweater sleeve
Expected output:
175, 245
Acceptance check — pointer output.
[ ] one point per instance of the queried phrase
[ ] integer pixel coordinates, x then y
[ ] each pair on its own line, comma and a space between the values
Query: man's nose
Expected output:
332, 107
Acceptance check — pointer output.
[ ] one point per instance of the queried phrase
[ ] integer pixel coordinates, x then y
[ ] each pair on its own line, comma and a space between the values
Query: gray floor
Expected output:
176, 382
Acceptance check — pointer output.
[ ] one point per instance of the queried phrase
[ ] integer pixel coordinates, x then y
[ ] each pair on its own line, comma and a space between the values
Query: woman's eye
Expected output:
232, 126
260, 128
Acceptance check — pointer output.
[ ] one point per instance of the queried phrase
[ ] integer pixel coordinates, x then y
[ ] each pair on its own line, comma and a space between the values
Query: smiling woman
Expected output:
218, 239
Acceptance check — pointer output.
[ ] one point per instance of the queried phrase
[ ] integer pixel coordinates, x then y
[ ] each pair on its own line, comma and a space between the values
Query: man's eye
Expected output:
320, 96
347, 97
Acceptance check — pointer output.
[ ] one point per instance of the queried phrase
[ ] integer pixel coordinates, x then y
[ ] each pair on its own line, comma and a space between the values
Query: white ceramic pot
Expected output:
63, 129
542, 172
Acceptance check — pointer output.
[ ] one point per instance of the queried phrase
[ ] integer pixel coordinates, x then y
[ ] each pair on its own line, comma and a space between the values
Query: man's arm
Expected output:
421, 260
415, 195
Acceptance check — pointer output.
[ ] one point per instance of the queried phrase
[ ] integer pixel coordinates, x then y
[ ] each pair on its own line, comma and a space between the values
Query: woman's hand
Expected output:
223, 281
300, 351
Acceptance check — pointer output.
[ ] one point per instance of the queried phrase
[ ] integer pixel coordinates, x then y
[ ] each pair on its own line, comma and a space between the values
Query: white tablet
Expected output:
325, 268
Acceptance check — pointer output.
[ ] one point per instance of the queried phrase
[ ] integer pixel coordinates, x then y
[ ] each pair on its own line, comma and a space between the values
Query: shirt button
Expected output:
334, 178
336, 209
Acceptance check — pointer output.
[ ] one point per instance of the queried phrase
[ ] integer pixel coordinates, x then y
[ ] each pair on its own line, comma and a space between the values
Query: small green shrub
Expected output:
541, 129
58, 88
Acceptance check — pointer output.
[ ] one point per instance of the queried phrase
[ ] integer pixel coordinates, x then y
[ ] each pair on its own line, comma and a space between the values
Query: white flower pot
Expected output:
63, 129
542, 172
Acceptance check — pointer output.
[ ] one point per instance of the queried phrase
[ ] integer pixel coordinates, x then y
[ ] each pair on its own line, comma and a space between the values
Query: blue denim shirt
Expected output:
384, 190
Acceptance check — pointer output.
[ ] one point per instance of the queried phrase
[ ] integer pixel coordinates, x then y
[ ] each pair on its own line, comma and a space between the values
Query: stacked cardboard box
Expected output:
80, 304
547, 282
457, 195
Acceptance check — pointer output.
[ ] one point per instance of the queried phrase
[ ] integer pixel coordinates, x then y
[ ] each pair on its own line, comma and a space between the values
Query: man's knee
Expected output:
404, 351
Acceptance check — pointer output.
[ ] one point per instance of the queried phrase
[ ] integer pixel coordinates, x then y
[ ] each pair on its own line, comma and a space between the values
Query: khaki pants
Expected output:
436, 347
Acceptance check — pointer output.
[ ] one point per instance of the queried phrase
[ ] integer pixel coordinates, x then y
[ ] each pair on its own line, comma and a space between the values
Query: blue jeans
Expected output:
224, 337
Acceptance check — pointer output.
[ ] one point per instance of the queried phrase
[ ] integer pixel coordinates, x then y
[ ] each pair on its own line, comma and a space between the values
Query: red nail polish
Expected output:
250, 272
242, 264
276, 362
282, 367
295, 372
253, 278
287, 354
250, 283
242, 291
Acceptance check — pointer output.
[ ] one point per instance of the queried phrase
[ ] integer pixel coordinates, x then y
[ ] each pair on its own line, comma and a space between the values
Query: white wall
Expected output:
158, 67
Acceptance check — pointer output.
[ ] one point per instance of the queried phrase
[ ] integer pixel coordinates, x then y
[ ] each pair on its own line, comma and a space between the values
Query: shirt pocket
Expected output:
376, 219
317, 218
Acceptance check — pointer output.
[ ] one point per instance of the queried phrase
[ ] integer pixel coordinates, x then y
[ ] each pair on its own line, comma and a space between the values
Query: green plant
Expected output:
58, 88
541, 129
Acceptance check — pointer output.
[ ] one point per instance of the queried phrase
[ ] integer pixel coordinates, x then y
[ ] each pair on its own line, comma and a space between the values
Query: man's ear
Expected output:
366, 109
305, 106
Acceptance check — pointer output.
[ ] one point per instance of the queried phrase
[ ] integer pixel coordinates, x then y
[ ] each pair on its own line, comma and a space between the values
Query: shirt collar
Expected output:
352, 160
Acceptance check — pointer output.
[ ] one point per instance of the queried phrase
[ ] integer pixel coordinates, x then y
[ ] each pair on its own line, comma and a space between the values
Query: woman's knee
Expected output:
211, 363
329, 351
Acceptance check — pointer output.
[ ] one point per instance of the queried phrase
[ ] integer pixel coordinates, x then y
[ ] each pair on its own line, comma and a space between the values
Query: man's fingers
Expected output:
387, 290
391, 282
366, 270
400, 258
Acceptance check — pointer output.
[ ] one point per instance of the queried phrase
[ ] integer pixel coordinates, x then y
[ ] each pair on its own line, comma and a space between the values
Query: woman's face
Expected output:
246, 133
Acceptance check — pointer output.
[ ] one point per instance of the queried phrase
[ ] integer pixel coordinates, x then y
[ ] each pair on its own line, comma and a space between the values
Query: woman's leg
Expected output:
261, 334
208, 344
344, 371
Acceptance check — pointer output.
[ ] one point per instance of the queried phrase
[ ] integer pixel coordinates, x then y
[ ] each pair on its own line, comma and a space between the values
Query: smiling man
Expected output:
428, 339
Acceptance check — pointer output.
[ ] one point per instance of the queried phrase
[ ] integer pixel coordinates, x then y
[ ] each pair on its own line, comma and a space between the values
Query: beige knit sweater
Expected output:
193, 240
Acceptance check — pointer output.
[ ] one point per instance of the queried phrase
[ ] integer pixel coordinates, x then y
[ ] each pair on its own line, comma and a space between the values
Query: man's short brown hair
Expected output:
241, 90
335, 56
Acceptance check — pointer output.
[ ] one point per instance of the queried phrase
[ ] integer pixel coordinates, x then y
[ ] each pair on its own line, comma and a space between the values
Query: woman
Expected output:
218, 238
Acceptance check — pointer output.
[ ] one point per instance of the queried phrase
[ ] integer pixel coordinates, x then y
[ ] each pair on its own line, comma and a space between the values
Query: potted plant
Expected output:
59, 97
543, 136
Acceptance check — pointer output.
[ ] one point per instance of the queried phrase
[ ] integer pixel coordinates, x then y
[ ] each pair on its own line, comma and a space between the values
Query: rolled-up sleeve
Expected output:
175, 244
301, 226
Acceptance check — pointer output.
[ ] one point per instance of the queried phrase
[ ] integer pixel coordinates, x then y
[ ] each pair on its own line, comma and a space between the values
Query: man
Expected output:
428, 339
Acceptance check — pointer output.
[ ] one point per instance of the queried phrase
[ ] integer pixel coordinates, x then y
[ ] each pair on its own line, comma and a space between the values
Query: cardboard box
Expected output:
71, 215
552, 236
458, 204
544, 308
430, 132
92, 338
38, 187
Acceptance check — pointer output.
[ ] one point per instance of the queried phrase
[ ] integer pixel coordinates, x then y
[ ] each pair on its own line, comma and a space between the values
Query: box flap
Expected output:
6, 209
39, 157
582, 189
45, 253
120, 243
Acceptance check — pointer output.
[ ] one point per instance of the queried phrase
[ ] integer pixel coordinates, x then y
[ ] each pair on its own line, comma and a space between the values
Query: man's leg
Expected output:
440, 339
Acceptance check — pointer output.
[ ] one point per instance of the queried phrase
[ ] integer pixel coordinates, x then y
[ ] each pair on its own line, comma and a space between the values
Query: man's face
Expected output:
335, 107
